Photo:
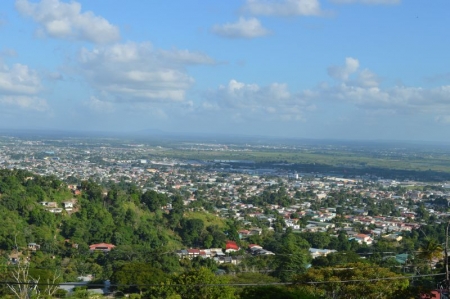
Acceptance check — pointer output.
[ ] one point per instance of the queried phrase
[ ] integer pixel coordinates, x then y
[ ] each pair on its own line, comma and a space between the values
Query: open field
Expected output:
347, 159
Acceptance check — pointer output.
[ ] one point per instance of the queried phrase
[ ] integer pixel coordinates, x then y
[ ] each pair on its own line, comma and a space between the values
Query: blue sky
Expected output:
342, 69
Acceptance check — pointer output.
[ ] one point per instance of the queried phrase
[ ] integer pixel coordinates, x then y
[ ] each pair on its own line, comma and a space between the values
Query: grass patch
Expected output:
208, 219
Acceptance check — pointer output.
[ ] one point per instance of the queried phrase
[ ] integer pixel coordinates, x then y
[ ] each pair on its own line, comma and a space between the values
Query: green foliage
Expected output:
424, 165
199, 262
422, 213
153, 200
292, 255
288, 242
232, 232
289, 265
317, 240
367, 281
137, 276
253, 277
276, 292
11, 229
338, 258
203, 284
190, 231
430, 249
207, 218
177, 211
91, 191
278, 197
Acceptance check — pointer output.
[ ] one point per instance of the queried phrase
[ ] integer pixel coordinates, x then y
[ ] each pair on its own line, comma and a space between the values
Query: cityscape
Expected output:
259, 199
239, 149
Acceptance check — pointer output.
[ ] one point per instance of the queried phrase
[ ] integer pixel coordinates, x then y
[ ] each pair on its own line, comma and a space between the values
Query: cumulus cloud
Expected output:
20, 86
362, 78
365, 92
342, 73
242, 100
138, 72
283, 7
398, 99
366, 78
243, 28
374, 2
19, 79
65, 20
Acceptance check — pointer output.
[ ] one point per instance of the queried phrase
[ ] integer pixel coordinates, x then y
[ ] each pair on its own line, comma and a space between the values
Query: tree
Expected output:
137, 277
232, 232
219, 238
91, 191
317, 240
430, 249
353, 281
153, 200
203, 284
199, 262
190, 231
177, 211
271, 292
289, 265
337, 258
23, 286
422, 213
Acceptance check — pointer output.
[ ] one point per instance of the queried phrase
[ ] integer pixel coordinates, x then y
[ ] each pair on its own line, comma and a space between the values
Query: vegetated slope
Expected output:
137, 223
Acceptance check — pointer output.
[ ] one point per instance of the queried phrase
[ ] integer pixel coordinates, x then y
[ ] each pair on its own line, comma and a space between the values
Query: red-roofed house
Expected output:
193, 252
362, 238
231, 246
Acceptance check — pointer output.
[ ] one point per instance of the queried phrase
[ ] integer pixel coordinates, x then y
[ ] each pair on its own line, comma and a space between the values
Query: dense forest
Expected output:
147, 228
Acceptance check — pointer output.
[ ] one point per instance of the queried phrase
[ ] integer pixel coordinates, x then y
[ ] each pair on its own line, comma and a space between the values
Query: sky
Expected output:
323, 69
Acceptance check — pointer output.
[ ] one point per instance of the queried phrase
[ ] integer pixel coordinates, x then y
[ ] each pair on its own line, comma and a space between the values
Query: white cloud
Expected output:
18, 79
283, 7
98, 105
25, 102
364, 78
251, 101
243, 28
365, 92
373, 2
20, 86
137, 72
367, 79
362, 89
342, 73
65, 20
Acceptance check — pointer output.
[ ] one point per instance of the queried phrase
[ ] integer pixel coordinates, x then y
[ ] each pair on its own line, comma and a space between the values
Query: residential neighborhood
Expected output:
119, 205
366, 208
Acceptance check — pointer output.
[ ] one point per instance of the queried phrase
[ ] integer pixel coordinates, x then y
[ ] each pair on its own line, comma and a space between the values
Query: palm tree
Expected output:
430, 249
